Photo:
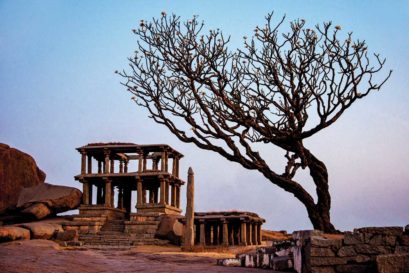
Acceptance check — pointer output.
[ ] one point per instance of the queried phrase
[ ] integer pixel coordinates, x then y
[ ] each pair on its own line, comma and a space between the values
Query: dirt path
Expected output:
41, 256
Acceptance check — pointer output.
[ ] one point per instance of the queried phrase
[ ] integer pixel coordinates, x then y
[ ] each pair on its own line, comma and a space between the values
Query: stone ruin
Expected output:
365, 250
112, 172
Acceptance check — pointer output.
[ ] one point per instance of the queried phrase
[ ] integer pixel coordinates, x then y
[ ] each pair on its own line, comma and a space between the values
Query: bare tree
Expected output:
280, 89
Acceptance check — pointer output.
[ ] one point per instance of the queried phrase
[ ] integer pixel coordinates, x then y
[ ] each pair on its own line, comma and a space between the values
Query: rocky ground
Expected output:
42, 256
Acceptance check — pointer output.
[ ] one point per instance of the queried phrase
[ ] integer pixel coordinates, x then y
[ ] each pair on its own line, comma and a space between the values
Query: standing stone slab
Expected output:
190, 212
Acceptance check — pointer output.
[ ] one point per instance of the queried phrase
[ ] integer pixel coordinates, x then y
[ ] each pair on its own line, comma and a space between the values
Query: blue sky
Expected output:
58, 91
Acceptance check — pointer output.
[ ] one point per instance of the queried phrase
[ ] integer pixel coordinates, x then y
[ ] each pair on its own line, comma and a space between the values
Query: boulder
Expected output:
17, 171
41, 230
46, 199
13, 233
170, 228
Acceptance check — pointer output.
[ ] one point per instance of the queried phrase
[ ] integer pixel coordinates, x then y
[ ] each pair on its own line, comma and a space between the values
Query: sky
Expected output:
58, 91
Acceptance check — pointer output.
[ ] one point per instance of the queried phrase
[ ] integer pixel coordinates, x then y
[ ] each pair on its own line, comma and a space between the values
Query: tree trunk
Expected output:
320, 213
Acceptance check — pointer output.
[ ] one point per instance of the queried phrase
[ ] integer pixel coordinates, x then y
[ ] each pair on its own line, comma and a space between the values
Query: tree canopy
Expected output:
282, 87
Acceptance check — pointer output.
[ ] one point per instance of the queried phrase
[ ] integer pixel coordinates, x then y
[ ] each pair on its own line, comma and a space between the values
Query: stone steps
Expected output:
113, 234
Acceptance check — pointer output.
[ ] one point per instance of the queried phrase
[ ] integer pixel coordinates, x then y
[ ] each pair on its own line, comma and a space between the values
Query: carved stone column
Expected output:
173, 195
255, 229
106, 165
202, 233
167, 193
99, 167
140, 162
108, 193
225, 233
139, 191
243, 233
250, 232
89, 164
121, 166
83, 160
177, 195
112, 166
100, 199
120, 198
85, 193
126, 166
162, 190
259, 233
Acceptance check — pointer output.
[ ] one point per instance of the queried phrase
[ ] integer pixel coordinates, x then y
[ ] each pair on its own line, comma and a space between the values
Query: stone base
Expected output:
160, 208
101, 210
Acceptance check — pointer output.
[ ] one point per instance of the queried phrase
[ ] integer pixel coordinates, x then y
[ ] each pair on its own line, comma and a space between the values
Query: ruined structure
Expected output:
117, 169
116, 175
227, 228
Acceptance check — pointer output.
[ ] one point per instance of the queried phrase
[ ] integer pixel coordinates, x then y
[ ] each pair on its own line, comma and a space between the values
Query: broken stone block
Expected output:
321, 252
249, 261
282, 263
393, 263
351, 238
346, 251
229, 262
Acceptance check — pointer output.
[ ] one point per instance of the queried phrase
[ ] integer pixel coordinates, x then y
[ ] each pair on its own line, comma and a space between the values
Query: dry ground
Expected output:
42, 256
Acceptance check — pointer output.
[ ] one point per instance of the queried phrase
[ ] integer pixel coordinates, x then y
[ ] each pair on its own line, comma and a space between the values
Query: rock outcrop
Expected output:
39, 230
13, 233
17, 171
46, 199
170, 228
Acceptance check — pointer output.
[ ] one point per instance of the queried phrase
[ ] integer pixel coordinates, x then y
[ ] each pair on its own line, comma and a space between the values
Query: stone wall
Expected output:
356, 251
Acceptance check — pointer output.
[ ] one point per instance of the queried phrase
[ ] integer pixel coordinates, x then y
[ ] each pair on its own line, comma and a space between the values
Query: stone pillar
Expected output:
121, 166
85, 193
89, 164
190, 210
144, 163
99, 167
155, 195
243, 234
162, 162
99, 195
215, 234
255, 231
250, 232
140, 162
202, 234
167, 193
106, 165
259, 233
173, 195
139, 191
231, 234
120, 198
143, 194
220, 236
162, 190
225, 233
112, 166
126, 166
90, 194
208, 233
177, 189
108, 193
166, 161
174, 166
177, 167
83, 161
